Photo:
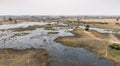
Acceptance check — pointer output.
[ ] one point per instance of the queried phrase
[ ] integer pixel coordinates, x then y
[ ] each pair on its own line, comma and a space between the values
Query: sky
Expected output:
59, 7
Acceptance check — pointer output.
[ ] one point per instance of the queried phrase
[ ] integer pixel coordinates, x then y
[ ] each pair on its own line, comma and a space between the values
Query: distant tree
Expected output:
10, 19
15, 21
78, 22
117, 19
87, 27
57, 21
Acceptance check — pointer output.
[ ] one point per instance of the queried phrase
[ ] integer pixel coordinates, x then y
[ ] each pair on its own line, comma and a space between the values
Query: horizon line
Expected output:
55, 15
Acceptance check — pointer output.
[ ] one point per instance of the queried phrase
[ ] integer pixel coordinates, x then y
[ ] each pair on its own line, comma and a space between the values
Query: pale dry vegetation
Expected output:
27, 57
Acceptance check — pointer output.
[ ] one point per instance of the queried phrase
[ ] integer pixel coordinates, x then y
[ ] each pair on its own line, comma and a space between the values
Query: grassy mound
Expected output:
98, 44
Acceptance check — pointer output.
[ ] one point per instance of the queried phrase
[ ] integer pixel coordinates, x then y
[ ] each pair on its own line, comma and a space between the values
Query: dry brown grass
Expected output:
28, 57
80, 33
100, 35
108, 20
53, 32
105, 26
48, 28
117, 36
27, 28
21, 34
7, 22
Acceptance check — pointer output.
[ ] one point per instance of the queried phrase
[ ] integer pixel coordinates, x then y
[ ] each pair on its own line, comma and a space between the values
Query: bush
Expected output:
115, 46
87, 27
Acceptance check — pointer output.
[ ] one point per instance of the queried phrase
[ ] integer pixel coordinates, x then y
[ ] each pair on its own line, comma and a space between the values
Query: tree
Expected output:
87, 27
78, 22
117, 19
10, 19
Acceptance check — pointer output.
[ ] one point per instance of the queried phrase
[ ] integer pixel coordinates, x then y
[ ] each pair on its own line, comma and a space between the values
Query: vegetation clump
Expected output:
48, 28
21, 34
53, 32
115, 46
87, 27
27, 28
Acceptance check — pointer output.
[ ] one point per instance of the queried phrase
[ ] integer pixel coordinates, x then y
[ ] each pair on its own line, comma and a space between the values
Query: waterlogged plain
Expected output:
59, 53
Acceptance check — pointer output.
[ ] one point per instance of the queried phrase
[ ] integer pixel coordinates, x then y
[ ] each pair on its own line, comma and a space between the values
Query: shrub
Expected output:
87, 27
115, 46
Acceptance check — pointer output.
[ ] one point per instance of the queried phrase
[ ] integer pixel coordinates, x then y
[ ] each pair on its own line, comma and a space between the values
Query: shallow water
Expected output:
60, 55
100, 30
23, 24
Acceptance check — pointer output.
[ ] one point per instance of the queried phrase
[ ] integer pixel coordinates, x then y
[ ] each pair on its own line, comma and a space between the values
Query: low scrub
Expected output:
115, 46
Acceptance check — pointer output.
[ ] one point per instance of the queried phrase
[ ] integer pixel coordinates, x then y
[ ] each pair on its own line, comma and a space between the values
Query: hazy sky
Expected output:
60, 7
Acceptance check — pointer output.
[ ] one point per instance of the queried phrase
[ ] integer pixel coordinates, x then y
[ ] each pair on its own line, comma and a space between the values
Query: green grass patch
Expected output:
115, 46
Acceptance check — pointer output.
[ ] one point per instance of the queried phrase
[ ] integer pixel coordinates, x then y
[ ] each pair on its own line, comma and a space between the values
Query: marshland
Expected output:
59, 41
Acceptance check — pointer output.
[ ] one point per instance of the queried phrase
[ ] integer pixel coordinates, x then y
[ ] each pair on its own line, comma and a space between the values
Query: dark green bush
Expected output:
87, 27
115, 46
